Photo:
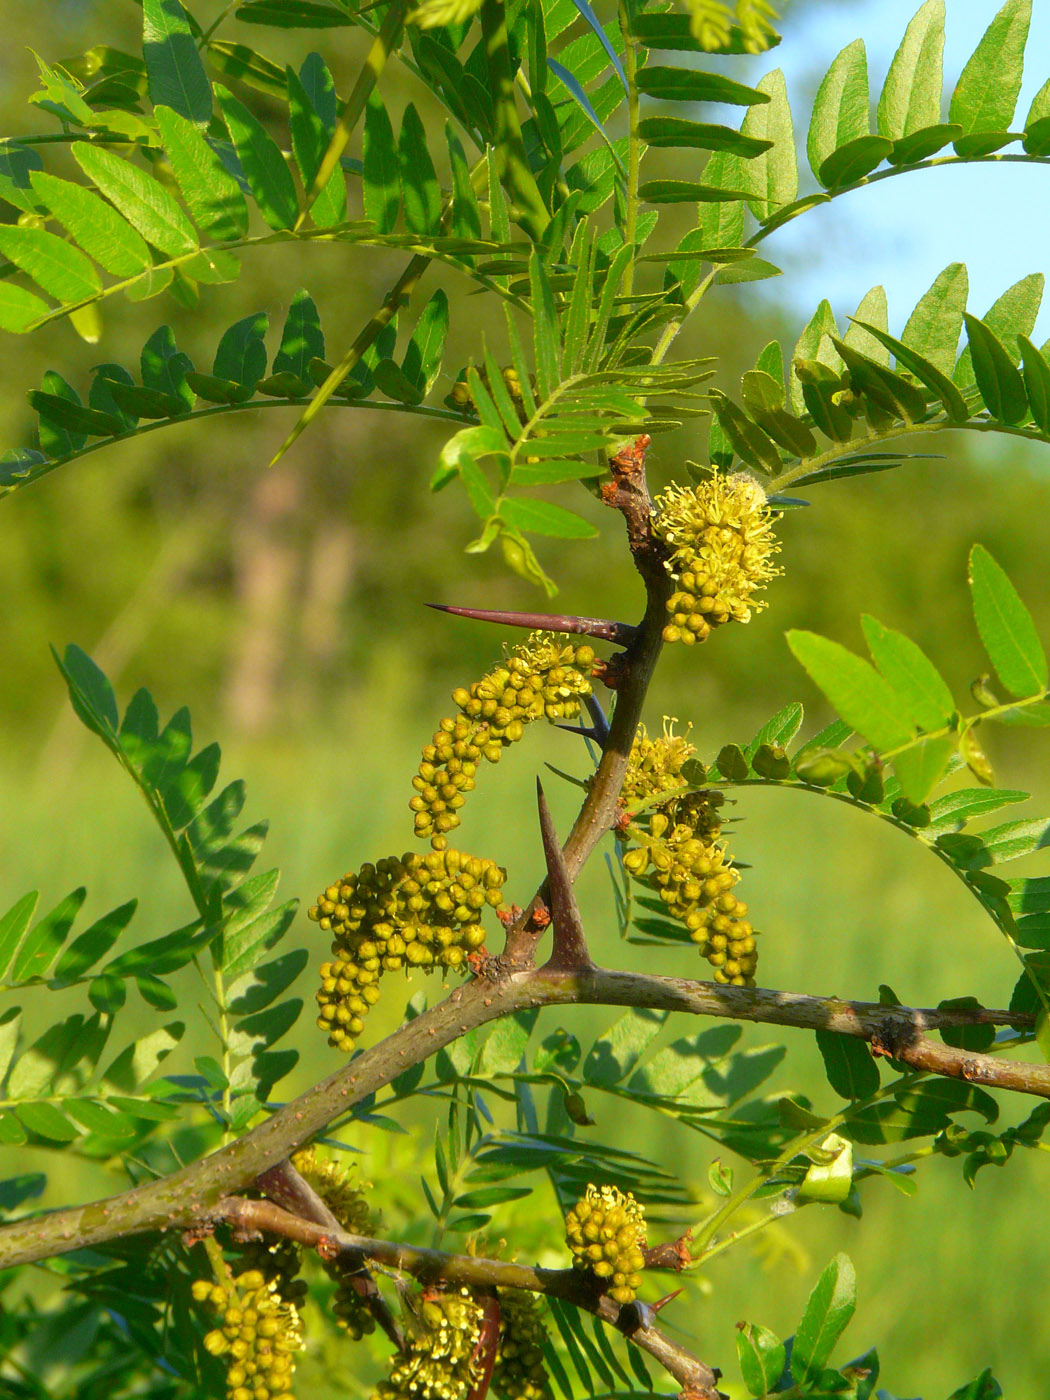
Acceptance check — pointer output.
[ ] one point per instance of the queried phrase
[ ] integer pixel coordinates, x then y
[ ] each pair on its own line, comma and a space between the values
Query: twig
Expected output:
431, 1265
290, 1190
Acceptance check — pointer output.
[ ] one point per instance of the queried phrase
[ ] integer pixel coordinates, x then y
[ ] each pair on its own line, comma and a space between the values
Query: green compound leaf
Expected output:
54, 265
176, 74
911, 674
144, 202
102, 233
1036, 383
840, 108
911, 95
864, 699
1006, 627
293, 14
986, 93
212, 195
827, 1313
264, 166
13, 925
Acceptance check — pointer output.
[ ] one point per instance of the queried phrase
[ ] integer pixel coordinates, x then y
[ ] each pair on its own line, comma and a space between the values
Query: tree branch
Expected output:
430, 1265
176, 1201
570, 943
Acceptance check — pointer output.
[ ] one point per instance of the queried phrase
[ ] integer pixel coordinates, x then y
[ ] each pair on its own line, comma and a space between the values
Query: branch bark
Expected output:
176, 1201
431, 1265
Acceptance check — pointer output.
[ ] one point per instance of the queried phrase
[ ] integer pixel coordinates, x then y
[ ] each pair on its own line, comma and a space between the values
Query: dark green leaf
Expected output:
747, 438
90, 691
978, 1038
684, 192
825, 1317
696, 85
702, 136
761, 1355
46, 1121
854, 160
982, 1387
176, 74
1006, 627
310, 141
419, 182
293, 14
241, 353
848, 1063
74, 417
1037, 383
264, 166
926, 372
920, 145
1000, 383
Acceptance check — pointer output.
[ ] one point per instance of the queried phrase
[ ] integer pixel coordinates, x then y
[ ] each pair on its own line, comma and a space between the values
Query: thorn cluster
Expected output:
681, 860
606, 1233
720, 534
544, 677
260, 1333
440, 1360
420, 911
654, 766
520, 1372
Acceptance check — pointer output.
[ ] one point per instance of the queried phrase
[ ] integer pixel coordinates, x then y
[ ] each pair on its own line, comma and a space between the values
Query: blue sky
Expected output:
993, 217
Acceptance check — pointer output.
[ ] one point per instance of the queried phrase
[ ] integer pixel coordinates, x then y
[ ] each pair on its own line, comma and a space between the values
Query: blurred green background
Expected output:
286, 607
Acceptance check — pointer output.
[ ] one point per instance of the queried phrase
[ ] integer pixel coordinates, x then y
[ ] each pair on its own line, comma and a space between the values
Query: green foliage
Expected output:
167, 172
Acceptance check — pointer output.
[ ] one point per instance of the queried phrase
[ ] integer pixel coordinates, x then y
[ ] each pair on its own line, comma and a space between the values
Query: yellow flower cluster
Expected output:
345, 1198
545, 677
606, 1233
259, 1334
520, 1372
440, 1360
722, 545
654, 766
679, 857
420, 911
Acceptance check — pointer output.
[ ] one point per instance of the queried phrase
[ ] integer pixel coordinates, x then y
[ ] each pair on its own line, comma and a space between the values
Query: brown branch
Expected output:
290, 1191
570, 943
626, 492
430, 1265
621, 633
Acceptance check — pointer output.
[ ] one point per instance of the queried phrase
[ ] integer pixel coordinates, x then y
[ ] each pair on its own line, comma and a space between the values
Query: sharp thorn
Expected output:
620, 633
570, 945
